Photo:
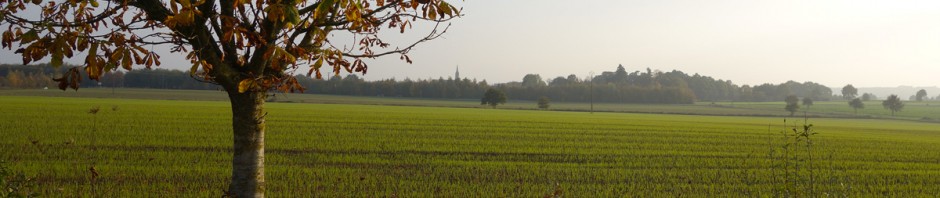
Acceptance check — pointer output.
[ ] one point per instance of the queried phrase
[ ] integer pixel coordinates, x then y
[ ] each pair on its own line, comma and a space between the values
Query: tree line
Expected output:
40, 76
618, 86
656, 87
448, 88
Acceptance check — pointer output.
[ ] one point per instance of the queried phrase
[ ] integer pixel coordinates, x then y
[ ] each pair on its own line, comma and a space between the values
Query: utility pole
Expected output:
591, 80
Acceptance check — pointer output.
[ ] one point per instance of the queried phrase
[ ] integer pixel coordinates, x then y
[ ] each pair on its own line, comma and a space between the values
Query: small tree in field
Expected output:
921, 95
893, 103
807, 102
543, 102
849, 92
246, 47
793, 104
856, 104
493, 97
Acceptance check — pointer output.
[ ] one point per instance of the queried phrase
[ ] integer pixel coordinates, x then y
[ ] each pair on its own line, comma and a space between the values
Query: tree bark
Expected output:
248, 149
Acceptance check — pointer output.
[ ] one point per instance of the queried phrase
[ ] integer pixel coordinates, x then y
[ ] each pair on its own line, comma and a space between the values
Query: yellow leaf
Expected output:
445, 8
192, 70
173, 7
56, 60
318, 64
244, 85
126, 60
93, 51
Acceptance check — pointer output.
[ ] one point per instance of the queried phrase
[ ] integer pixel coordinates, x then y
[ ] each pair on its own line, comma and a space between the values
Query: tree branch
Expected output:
13, 19
431, 36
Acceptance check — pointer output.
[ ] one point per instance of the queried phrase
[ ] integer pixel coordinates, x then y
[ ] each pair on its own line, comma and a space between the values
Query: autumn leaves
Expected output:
256, 44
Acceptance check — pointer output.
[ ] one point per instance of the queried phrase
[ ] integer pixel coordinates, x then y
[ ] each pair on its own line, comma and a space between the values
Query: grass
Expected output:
928, 111
181, 148
913, 110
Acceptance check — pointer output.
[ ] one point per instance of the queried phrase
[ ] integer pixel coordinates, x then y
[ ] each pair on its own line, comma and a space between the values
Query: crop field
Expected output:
926, 111
181, 148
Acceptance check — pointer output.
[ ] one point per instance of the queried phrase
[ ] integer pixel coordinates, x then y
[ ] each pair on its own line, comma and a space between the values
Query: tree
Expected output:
849, 92
532, 80
868, 96
792, 104
247, 47
493, 97
893, 103
543, 102
856, 104
807, 102
573, 79
921, 95
15, 79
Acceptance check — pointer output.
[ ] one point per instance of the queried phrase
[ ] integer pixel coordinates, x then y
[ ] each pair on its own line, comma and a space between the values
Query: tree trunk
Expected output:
248, 149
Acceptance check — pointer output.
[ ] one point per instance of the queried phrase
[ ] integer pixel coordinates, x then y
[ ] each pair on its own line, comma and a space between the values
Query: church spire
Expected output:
457, 74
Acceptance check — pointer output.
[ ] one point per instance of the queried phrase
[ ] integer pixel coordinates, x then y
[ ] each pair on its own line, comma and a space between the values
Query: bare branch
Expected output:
431, 36
13, 19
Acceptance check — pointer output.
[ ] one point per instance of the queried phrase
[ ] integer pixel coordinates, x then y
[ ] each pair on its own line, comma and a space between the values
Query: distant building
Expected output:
457, 74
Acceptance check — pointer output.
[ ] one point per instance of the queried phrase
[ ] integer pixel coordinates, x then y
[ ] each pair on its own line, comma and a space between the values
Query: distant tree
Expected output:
532, 80
868, 96
793, 104
493, 97
807, 101
856, 104
558, 81
817, 94
573, 78
893, 103
620, 75
15, 79
849, 92
543, 102
921, 95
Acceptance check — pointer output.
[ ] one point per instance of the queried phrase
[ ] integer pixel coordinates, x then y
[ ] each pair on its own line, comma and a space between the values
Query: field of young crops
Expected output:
928, 111
159, 148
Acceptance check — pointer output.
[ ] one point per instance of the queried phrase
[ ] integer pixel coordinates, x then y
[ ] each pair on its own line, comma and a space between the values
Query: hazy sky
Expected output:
833, 42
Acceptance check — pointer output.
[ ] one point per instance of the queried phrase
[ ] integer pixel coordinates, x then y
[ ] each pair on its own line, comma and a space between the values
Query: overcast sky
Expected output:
834, 42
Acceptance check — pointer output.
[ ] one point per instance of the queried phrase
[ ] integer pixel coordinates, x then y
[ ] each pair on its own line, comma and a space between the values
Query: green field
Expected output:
160, 148
928, 111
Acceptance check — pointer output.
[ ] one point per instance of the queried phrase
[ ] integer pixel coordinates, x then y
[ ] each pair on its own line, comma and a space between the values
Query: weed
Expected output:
15, 184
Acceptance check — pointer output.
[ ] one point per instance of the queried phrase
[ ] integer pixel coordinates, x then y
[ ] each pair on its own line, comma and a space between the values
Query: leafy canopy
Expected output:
253, 45
543, 102
893, 103
792, 103
807, 101
849, 91
857, 104
921, 94
493, 97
